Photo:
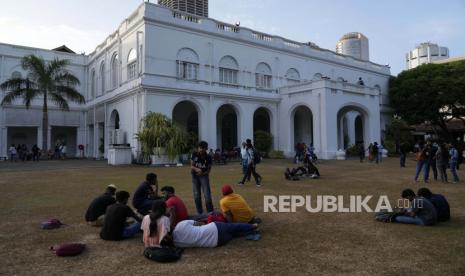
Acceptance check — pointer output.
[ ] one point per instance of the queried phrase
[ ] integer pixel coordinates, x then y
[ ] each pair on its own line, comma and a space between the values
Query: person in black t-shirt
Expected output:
115, 227
144, 196
201, 164
95, 214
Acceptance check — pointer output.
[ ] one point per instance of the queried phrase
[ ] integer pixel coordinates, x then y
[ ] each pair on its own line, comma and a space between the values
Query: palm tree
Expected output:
51, 81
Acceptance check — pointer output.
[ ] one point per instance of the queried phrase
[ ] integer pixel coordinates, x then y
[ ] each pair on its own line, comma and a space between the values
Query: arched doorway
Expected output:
114, 120
352, 121
261, 120
303, 125
226, 127
186, 115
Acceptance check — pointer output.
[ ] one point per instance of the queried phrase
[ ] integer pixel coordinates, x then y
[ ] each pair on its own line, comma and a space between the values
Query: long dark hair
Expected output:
158, 210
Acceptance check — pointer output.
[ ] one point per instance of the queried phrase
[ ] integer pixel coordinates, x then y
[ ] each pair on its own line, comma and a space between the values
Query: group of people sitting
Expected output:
307, 170
164, 220
423, 208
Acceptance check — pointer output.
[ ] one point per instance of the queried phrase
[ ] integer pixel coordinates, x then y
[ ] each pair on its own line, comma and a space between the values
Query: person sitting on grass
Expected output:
420, 212
312, 170
115, 227
439, 202
144, 196
95, 214
176, 209
234, 207
155, 226
190, 233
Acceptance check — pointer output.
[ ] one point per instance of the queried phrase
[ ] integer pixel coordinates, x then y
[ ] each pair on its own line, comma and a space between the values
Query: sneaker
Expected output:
257, 237
259, 185
240, 183
250, 237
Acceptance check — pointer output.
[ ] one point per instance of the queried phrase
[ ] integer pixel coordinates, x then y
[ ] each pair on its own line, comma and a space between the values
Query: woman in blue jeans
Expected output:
420, 212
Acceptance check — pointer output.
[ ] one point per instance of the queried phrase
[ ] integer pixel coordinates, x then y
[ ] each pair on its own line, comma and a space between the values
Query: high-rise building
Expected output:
426, 52
197, 7
355, 45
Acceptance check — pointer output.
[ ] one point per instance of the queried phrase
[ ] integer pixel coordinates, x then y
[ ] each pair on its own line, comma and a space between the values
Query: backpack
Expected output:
68, 249
163, 254
52, 224
257, 158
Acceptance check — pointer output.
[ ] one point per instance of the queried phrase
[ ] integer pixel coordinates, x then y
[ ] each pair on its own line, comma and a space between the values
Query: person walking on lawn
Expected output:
251, 165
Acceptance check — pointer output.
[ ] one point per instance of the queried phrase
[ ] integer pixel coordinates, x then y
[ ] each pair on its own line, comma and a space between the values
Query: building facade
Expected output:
221, 81
426, 53
354, 45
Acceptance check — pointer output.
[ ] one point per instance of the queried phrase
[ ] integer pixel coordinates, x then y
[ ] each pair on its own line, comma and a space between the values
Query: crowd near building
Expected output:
218, 80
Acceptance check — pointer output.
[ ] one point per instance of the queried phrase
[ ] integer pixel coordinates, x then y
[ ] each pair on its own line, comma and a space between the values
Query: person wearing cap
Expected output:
234, 207
145, 195
95, 214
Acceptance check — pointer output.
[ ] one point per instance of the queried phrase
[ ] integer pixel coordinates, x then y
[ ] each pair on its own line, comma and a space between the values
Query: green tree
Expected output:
263, 141
398, 133
51, 81
433, 93
158, 131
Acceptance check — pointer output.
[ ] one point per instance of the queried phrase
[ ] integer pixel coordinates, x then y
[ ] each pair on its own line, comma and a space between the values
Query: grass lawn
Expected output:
292, 243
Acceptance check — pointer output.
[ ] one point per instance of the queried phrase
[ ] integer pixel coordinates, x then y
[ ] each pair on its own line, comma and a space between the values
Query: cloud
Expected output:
13, 30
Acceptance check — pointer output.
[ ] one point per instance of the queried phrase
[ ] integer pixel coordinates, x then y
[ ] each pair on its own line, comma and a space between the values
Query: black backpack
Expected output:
163, 254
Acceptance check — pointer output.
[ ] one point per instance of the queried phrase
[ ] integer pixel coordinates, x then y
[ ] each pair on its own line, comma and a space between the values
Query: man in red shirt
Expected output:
176, 209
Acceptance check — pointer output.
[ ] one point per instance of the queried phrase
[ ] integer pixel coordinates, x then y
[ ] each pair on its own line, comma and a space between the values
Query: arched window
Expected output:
187, 64
114, 70
317, 76
102, 78
263, 76
92, 84
132, 64
16, 75
292, 76
228, 70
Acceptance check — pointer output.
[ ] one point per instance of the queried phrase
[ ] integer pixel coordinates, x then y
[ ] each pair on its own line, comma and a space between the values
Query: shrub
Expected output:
263, 141
352, 150
390, 146
277, 154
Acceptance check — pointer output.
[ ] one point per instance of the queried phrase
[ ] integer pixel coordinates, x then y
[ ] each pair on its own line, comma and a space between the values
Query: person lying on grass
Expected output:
156, 226
189, 233
439, 202
419, 212
115, 227
95, 214
234, 207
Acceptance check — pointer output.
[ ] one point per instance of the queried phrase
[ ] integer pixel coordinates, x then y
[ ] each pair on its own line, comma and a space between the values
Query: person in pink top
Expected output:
156, 225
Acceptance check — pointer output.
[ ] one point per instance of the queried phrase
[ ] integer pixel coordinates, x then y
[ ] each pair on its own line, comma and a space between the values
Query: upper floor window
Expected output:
292, 76
16, 75
132, 64
187, 64
228, 71
114, 70
92, 84
263, 76
102, 78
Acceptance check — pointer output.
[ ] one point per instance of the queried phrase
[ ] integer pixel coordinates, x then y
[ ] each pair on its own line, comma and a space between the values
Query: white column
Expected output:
49, 139
351, 116
329, 132
3, 141
245, 127
210, 135
39, 137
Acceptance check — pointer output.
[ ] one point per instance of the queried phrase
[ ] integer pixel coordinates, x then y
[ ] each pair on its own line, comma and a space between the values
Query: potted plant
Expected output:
161, 139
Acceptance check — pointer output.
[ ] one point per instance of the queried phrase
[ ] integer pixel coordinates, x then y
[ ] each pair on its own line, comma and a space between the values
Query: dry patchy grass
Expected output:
295, 243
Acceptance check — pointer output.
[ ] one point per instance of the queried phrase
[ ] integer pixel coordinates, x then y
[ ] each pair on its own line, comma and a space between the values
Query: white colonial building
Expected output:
221, 81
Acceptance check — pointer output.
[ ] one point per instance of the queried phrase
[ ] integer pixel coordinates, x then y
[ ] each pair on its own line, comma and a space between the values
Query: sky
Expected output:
393, 27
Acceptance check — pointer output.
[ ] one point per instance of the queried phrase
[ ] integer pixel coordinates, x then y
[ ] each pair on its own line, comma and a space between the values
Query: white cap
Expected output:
112, 186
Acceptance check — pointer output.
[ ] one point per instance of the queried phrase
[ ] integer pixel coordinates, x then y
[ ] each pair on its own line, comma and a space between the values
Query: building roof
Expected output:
447, 60
63, 48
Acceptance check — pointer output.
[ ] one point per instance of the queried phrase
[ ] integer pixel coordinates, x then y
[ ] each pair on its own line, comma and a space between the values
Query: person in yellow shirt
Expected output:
234, 207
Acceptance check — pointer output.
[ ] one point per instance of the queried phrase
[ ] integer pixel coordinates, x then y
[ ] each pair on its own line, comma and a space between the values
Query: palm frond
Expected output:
57, 99
70, 93
13, 84
57, 67
67, 79
34, 64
